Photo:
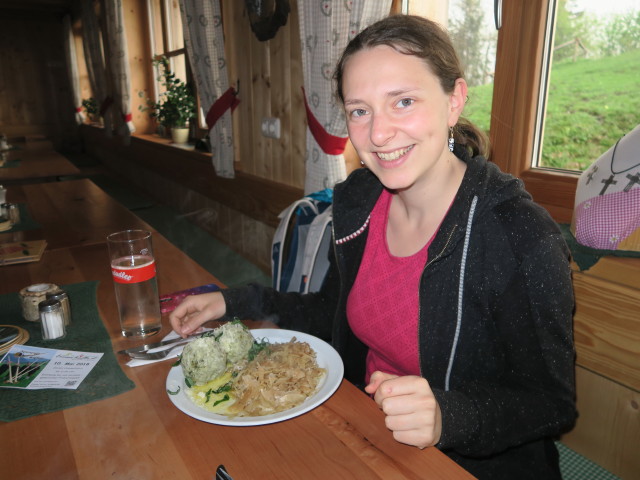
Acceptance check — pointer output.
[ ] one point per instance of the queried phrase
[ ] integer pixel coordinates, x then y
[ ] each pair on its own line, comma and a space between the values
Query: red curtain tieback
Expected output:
78, 109
330, 144
228, 100
127, 117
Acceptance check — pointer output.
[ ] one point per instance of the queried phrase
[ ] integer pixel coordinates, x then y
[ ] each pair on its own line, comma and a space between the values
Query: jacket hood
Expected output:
482, 179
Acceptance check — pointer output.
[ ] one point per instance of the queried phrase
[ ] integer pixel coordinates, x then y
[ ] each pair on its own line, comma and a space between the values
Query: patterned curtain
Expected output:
325, 29
118, 60
72, 68
204, 41
95, 62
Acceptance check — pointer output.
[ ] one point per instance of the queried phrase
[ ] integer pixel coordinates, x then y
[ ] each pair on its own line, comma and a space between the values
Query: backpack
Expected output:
300, 247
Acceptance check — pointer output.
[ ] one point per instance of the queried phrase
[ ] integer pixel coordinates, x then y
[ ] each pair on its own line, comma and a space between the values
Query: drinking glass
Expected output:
133, 269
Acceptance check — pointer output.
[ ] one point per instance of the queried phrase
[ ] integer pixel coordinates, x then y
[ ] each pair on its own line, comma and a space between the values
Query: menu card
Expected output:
32, 368
21, 252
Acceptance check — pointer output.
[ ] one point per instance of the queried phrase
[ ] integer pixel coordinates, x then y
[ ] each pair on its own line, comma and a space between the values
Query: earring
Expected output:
451, 139
361, 163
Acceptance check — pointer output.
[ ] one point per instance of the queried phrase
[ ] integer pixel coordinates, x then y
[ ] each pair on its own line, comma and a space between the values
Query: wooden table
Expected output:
38, 162
71, 213
141, 435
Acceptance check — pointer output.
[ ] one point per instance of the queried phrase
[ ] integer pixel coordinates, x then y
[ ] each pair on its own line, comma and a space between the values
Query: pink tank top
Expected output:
383, 305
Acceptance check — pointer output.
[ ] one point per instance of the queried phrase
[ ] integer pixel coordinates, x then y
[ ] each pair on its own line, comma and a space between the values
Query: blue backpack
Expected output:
300, 247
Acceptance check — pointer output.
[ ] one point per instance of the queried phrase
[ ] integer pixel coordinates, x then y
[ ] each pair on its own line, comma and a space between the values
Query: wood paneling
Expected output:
245, 193
607, 336
35, 97
241, 212
608, 427
607, 328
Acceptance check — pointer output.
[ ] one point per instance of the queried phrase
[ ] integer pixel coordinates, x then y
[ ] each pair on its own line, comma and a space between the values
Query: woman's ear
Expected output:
457, 99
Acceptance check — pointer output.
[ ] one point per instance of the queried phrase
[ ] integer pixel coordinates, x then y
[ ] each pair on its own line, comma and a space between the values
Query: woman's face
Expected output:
398, 116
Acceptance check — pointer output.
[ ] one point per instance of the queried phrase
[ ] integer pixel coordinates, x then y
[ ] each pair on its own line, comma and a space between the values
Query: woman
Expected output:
449, 291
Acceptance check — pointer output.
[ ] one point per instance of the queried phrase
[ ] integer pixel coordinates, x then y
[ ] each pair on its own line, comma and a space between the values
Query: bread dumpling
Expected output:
203, 360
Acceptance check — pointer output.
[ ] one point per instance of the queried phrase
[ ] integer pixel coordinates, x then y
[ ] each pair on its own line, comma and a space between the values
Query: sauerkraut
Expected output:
280, 377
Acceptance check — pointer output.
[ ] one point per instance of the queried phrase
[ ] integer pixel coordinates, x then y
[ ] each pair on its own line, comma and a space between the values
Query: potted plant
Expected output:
176, 106
91, 107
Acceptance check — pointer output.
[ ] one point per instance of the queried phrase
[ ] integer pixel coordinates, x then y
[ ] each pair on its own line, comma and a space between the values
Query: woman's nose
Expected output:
382, 129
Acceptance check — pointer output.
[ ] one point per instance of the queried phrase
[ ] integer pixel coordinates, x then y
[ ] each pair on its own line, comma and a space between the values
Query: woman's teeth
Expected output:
394, 155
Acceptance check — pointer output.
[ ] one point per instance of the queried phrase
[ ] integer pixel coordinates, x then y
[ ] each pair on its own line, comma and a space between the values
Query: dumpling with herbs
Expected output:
203, 360
235, 339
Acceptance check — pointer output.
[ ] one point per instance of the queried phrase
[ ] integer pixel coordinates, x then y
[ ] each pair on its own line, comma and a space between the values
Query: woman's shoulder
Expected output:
361, 182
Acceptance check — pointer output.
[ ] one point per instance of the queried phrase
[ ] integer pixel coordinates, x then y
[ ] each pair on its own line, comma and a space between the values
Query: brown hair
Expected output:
425, 39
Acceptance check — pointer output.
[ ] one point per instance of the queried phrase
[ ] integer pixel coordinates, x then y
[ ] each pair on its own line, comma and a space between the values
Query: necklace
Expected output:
613, 157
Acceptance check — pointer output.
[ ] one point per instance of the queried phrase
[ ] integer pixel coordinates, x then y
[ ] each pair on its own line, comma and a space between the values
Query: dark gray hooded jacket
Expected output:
495, 328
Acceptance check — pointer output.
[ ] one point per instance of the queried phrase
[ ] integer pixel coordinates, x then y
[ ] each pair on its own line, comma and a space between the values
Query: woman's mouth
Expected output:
390, 156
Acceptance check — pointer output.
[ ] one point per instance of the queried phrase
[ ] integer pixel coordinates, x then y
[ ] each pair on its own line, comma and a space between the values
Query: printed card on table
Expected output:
34, 368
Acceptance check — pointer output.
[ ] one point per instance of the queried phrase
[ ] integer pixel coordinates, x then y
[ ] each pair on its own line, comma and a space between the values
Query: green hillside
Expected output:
592, 103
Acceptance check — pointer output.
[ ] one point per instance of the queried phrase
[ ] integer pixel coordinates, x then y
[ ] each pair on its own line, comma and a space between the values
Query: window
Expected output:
525, 108
166, 36
594, 68
519, 106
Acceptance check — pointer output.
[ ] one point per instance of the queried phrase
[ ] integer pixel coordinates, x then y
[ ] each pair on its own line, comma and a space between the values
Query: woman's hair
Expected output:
425, 39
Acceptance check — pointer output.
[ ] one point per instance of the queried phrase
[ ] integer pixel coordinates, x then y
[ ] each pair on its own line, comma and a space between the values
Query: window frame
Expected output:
160, 33
515, 108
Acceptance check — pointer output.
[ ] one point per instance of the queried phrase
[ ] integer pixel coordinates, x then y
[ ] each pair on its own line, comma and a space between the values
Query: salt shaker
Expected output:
52, 319
13, 213
63, 298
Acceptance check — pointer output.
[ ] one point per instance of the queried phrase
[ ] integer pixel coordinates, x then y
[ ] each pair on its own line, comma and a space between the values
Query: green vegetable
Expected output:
257, 347
224, 388
175, 392
223, 399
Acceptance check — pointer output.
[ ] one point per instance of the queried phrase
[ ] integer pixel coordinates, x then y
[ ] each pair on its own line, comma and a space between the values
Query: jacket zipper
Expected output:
340, 275
453, 230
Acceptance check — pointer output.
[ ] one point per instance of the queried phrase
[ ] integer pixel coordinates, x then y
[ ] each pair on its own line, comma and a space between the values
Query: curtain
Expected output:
118, 59
95, 62
325, 29
204, 41
72, 68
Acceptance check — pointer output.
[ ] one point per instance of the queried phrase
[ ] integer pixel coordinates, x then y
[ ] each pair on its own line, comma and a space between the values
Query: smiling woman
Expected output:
439, 342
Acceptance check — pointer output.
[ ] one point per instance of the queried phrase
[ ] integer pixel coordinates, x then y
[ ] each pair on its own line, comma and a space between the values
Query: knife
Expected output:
149, 346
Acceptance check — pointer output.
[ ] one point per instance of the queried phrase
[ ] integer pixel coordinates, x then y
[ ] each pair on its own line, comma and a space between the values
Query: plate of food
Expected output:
239, 377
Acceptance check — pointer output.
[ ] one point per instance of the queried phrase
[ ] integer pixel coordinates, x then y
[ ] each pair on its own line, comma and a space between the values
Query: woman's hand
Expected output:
412, 412
195, 310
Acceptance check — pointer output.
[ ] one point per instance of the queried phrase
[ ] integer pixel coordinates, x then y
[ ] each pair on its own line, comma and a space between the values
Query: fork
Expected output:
156, 355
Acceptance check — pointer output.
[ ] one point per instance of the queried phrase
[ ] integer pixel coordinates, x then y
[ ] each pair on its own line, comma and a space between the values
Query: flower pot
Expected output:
180, 134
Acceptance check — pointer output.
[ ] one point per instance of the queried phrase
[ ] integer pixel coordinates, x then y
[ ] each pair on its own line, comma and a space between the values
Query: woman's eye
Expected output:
405, 102
358, 112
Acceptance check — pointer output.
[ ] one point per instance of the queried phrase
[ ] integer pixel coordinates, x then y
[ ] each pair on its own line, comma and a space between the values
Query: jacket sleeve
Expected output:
532, 395
311, 313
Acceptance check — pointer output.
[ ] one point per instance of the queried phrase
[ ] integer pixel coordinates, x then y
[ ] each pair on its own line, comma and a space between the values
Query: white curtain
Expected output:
204, 41
72, 68
325, 29
119, 64
94, 59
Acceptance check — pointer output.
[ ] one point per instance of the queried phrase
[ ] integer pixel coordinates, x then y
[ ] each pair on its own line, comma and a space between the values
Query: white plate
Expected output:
326, 357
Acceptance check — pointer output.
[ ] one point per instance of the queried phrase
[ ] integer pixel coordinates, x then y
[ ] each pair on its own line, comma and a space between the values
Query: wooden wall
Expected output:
35, 97
607, 335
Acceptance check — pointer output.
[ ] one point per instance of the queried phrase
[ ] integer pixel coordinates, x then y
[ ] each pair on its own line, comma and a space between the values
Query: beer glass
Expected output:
133, 269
